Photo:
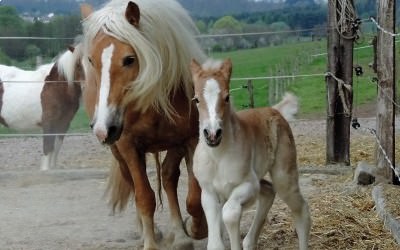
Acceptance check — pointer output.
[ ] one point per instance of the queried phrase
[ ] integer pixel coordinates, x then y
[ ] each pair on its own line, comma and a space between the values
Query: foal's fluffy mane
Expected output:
212, 64
67, 61
164, 43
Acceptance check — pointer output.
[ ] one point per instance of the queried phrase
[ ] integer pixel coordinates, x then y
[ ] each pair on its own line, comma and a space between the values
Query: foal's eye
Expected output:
227, 98
196, 100
90, 60
129, 60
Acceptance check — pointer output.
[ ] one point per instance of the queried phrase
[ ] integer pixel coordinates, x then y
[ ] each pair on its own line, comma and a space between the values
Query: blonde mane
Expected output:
164, 42
66, 63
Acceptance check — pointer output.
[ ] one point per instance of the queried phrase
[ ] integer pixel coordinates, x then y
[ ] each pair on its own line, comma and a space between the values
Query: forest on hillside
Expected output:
279, 23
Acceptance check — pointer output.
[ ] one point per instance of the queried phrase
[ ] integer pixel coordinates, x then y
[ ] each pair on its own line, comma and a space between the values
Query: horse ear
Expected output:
195, 67
86, 10
226, 68
71, 48
132, 14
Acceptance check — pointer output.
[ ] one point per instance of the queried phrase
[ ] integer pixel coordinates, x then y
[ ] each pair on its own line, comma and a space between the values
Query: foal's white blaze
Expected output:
211, 94
102, 109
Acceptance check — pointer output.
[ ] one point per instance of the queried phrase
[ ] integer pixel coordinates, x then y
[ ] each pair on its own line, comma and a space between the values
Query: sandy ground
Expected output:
64, 208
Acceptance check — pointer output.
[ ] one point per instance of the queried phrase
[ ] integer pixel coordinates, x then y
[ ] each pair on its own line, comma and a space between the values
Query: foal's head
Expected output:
211, 83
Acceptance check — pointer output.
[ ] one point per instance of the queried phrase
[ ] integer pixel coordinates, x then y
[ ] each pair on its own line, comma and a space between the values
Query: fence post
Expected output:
386, 89
271, 90
251, 93
340, 64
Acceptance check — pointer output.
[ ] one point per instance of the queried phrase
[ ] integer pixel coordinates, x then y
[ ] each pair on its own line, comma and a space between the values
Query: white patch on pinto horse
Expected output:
102, 108
211, 93
22, 108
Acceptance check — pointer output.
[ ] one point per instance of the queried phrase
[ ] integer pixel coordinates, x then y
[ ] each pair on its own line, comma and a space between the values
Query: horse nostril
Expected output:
112, 130
218, 133
206, 134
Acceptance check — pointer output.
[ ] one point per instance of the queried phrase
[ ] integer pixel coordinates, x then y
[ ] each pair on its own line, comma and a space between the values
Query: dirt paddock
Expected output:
65, 208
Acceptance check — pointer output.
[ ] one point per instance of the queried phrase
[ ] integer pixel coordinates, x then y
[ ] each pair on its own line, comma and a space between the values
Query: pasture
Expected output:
262, 62
55, 205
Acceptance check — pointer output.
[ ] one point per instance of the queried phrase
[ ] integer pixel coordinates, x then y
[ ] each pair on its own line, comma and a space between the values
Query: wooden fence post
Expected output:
386, 90
271, 90
340, 65
251, 93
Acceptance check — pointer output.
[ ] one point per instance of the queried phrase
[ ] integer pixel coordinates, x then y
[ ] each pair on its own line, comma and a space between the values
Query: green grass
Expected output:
310, 90
267, 62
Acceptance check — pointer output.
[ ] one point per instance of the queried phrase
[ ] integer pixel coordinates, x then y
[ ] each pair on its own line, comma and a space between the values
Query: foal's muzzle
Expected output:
213, 139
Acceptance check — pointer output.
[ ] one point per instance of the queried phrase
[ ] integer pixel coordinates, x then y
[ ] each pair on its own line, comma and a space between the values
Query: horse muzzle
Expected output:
108, 132
213, 139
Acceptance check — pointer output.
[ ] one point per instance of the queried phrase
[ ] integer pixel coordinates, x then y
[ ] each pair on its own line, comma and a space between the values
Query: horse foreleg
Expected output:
57, 146
170, 177
265, 199
232, 210
198, 227
144, 195
48, 150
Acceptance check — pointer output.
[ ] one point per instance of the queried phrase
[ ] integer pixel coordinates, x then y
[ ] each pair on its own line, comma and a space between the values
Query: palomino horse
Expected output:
138, 91
235, 153
45, 99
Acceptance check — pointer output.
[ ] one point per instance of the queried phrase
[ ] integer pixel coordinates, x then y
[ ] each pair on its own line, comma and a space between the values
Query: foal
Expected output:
234, 154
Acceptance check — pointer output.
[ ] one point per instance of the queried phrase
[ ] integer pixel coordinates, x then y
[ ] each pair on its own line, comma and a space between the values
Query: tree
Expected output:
11, 25
227, 24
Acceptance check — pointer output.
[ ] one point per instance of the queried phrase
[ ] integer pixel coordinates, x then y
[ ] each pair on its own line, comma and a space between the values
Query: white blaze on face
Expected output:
211, 95
102, 108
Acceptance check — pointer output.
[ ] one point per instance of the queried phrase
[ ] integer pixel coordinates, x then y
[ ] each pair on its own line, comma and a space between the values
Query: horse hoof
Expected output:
199, 232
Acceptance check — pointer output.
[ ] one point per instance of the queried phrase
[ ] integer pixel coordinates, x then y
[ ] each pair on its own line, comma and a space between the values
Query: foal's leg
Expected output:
286, 184
264, 203
198, 228
233, 208
212, 209
144, 195
170, 176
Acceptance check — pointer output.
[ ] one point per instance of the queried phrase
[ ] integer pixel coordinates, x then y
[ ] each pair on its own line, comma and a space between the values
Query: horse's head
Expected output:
137, 57
211, 83
111, 67
69, 65
79, 73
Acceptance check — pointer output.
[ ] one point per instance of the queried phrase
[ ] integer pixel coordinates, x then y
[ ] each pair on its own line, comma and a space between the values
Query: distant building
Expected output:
31, 18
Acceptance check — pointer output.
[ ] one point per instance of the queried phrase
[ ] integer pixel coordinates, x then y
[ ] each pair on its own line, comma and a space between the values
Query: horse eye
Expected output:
196, 100
129, 60
227, 98
90, 60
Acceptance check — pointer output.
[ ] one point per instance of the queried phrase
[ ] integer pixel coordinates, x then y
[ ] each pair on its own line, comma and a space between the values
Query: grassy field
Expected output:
294, 58
297, 59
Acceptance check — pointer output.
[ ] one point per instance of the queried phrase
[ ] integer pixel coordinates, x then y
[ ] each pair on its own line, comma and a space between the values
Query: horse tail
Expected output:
159, 184
120, 186
288, 106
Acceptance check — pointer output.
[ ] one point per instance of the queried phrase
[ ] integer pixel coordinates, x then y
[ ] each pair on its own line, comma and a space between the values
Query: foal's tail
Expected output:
288, 106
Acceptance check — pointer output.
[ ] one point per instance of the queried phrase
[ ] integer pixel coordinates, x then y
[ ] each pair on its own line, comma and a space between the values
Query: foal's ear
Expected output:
195, 67
226, 68
86, 10
132, 14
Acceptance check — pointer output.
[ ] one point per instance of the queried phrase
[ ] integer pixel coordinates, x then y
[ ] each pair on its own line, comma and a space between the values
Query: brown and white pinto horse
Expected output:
236, 151
138, 91
45, 99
